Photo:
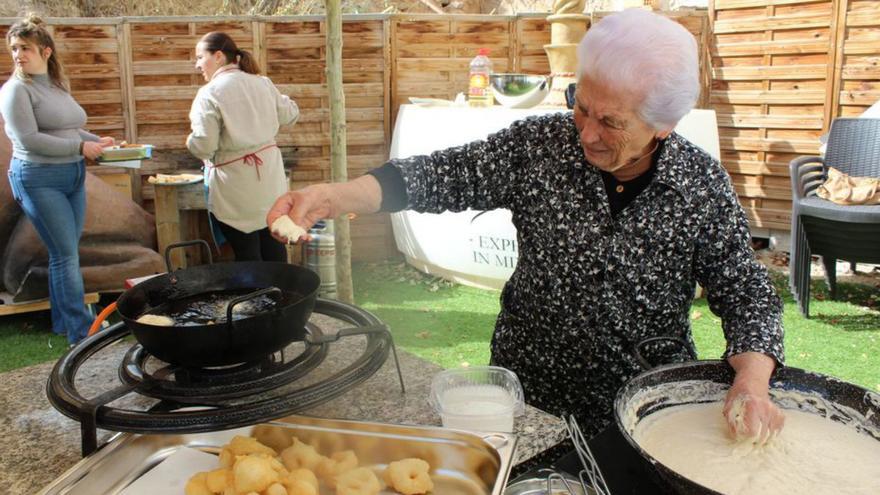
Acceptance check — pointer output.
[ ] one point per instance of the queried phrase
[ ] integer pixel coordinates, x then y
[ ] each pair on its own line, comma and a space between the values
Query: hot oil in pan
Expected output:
210, 307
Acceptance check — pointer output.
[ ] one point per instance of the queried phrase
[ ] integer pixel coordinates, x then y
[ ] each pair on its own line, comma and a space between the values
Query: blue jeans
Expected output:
53, 196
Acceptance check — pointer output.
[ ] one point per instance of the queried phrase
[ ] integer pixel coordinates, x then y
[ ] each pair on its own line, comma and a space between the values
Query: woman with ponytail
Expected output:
47, 172
234, 119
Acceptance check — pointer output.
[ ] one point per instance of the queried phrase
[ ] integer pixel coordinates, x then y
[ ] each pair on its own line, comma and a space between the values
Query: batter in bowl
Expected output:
811, 454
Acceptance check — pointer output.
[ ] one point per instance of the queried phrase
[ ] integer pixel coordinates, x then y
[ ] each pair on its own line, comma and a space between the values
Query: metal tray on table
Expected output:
462, 463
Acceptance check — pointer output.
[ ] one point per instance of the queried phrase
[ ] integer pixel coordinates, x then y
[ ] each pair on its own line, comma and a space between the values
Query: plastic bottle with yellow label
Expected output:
479, 92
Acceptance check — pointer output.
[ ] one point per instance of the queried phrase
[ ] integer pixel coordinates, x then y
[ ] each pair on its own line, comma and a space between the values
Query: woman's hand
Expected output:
106, 141
304, 206
92, 149
748, 410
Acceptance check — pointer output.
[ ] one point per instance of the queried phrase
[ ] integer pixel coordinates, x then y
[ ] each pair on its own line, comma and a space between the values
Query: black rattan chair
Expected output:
832, 231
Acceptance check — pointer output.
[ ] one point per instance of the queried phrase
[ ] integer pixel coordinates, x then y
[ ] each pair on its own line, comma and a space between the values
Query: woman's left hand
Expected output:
106, 141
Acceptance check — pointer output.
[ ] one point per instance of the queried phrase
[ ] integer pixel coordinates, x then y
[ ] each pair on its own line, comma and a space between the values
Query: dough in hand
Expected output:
285, 227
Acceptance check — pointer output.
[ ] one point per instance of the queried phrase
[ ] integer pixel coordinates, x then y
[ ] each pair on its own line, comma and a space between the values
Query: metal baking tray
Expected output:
462, 463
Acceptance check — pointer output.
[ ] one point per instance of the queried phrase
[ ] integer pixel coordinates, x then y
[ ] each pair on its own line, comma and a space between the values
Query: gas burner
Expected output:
207, 385
189, 400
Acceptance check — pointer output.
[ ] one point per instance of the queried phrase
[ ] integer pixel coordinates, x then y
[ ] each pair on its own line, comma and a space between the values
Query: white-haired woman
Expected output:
617, 217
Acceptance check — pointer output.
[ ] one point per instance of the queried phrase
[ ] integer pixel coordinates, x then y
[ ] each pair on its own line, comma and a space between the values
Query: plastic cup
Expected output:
478, 398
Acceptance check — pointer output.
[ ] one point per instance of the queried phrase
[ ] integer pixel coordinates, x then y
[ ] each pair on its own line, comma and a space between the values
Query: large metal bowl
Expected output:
519, 90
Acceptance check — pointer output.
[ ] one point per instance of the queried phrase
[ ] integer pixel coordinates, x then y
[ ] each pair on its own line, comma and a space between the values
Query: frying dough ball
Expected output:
358, 481
241, 445
276, 437
196, 485
409, 476
276, 489
157, 320
284, 227
301, 455
218, 479
253, 474
335, 465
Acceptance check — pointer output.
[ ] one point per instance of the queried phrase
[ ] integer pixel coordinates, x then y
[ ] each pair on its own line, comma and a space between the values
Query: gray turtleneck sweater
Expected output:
43, 121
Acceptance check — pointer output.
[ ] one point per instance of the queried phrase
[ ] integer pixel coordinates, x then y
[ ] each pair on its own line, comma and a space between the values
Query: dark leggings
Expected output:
258, 245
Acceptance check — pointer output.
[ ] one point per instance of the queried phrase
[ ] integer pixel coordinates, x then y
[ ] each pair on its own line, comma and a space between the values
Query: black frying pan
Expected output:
860, 406
232, 341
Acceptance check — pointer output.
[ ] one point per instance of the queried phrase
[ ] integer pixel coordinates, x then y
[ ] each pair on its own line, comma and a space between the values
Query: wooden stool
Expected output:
10, 308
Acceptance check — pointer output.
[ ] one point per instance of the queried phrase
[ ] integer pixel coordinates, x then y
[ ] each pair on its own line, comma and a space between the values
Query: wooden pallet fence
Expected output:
770, 81
431, 53
857, 68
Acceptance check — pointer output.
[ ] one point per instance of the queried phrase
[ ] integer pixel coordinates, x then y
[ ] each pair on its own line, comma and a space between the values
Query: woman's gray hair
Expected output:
649, 55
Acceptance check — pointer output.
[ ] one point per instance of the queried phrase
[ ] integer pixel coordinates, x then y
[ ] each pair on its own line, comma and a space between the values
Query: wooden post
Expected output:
338, 165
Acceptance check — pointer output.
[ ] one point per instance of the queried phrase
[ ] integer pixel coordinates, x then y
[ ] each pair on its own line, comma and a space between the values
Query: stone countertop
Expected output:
39, 443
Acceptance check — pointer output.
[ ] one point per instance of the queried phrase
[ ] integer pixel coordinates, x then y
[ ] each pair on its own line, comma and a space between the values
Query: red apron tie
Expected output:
252, 159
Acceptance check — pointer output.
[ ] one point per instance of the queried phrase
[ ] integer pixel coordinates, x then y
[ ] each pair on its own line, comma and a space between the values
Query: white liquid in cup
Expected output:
478, 407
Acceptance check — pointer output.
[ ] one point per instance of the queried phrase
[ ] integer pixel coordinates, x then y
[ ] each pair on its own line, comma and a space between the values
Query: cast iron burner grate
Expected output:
210, 399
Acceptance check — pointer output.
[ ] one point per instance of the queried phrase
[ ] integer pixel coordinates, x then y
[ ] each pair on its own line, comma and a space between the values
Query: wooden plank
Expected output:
792, 97
770, 23
12, 308
770, 48
786, 72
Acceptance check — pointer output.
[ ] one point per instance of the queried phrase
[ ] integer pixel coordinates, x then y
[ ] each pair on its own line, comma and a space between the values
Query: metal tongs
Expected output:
590, 477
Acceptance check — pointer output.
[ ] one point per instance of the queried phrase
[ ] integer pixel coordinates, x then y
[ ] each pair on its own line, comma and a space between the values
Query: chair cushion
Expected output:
815, 206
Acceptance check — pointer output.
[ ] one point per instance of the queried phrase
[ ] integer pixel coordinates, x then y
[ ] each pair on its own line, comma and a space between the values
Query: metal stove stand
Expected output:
214, 391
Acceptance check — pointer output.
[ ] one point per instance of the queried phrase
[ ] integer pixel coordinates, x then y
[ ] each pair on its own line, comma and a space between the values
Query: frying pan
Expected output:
232, 341
697, 382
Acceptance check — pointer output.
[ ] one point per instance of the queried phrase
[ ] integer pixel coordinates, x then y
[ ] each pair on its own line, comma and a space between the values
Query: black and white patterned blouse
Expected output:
588, 286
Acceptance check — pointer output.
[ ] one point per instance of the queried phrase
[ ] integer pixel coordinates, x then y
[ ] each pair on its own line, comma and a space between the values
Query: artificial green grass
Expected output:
27, 339
452, 324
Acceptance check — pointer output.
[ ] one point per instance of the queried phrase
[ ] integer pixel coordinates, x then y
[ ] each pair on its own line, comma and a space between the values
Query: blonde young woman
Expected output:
235, 118
47, 172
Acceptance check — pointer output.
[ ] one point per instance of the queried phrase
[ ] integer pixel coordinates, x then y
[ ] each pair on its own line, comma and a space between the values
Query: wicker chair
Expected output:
832, 231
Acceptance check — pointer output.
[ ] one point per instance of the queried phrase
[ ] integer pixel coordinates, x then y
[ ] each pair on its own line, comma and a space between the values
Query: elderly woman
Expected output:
617, 217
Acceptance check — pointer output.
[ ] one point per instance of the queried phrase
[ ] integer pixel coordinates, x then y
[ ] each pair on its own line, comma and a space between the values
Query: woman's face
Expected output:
27, 56
612, 134
207, 63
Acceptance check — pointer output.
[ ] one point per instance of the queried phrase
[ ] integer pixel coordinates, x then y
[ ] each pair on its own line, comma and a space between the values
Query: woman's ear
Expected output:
663, 134
47, 52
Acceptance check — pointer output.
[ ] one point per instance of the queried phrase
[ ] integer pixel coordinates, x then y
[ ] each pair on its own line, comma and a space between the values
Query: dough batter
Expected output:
285, 227
811, 454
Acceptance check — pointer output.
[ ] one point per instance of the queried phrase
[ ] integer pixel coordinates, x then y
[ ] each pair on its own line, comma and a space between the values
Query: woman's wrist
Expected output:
81, 145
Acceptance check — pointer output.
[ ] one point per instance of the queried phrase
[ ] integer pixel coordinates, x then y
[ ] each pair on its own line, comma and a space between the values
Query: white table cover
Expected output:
468, 247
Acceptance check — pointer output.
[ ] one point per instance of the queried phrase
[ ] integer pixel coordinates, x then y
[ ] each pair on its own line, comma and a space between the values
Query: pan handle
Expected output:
185, 244
645, 364
257, 293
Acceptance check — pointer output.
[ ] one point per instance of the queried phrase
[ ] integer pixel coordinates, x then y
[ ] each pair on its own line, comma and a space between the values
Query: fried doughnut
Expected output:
358, 481
301, 455
196, 485
218, 479
276, 489
277, 438
241, 445
409, 476
304, 475
227, 458
253, 473
299, 487
336, 464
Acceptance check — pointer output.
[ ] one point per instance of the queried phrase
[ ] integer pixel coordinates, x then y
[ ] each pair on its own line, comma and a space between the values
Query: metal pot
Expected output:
707, 381
233, 340
560, 483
